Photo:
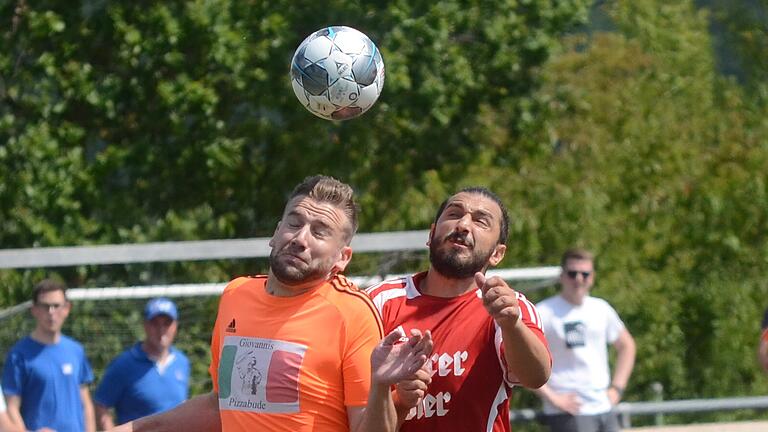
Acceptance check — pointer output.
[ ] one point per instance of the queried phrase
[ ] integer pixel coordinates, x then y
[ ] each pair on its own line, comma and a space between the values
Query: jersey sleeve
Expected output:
213, 369
614, 324
14, 374
363, 331
111, 386
532, 320
187, 375
86, 371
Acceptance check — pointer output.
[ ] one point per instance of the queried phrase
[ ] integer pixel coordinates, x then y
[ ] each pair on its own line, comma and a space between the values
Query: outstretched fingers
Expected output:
392, 338
420, 351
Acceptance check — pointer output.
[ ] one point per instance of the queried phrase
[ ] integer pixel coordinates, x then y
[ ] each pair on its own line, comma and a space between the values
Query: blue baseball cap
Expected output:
160, 306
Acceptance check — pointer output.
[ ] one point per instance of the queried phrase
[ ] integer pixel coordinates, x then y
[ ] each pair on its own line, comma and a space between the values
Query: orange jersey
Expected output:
292, 363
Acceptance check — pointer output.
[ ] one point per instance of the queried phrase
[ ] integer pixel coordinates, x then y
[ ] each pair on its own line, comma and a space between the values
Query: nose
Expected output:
463, 224
300, 237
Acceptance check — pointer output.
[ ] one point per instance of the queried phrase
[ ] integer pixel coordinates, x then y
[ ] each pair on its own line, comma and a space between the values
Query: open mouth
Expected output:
457, 241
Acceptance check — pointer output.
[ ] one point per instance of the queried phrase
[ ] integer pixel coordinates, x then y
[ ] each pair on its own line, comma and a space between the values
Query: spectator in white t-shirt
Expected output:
580, 394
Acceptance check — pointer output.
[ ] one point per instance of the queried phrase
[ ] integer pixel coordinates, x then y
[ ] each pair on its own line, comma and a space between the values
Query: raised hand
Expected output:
393, 361
499, 299
412, 390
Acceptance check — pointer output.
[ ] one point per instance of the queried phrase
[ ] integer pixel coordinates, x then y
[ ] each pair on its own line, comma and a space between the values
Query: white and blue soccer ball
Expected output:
337, 73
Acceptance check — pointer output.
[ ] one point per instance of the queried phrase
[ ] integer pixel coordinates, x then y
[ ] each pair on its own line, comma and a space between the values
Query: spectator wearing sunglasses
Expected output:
581, 392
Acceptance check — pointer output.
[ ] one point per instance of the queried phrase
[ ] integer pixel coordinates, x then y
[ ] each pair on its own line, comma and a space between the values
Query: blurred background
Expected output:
637, 129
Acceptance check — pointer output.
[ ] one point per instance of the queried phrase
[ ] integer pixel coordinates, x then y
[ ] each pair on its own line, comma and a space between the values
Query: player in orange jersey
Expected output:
301, 349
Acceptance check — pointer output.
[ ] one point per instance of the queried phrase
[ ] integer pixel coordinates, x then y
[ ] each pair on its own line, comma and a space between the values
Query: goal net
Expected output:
108, 320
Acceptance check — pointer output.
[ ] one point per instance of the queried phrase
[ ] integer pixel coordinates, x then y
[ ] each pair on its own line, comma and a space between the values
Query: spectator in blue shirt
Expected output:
46, 374
150, 377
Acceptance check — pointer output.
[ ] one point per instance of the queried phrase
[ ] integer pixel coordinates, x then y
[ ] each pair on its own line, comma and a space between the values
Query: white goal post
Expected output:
215, 249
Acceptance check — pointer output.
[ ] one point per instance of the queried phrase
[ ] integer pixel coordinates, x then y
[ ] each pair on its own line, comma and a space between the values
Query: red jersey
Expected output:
470, 386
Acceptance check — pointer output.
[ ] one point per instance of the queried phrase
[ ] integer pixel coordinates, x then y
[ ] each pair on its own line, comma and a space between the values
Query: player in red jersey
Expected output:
487, 337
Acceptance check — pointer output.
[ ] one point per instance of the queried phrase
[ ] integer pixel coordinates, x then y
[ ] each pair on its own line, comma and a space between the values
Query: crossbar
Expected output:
45, 257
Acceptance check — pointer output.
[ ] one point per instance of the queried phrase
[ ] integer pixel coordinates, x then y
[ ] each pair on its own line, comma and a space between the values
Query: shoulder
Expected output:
352, 304
344, 292
22, 349
547, 303
597, 302
239, 284
20, 346
387, 285
70, 343
239, 288
388, 290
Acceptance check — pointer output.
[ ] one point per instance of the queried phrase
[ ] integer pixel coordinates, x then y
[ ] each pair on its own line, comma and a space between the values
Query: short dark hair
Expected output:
479, 190
327, 189
578, 254
47, 285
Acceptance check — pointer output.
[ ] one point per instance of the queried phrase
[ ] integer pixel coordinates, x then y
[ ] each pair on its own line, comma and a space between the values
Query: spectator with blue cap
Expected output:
150, 377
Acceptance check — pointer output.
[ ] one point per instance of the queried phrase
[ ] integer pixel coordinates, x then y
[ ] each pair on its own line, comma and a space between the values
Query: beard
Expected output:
290, 274
455, 264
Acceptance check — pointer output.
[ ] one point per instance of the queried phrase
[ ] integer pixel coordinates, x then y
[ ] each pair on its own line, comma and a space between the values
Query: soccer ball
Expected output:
337, 73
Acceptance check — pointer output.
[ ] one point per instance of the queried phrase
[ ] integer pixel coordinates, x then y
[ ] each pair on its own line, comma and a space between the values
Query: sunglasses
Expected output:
573, 273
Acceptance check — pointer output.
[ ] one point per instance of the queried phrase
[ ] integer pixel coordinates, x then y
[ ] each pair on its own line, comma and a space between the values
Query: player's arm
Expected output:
13, 403
378, 415
391, 362
6, 425
410, 392
104, 418
527, 357
199, 414
88, 416
625, 362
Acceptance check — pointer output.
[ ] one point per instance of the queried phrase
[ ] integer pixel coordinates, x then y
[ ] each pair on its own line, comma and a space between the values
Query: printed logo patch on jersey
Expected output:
575, 334
260, 375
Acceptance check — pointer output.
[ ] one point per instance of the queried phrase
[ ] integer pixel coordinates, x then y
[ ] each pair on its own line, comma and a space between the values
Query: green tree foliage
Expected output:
151, 121
125, 122
656, 165
130, 122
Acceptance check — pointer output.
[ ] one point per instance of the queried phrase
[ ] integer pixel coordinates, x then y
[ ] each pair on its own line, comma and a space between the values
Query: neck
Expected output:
46, 336
278, 289
154, 353
574, 299
437, 285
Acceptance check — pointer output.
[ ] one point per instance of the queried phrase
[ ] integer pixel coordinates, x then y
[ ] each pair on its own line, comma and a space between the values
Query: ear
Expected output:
272, 239
431, 234
497, 255
67, 308
345, 255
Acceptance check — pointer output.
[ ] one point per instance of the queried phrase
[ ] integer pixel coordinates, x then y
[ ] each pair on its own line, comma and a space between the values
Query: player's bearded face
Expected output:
289, 267
457, 263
